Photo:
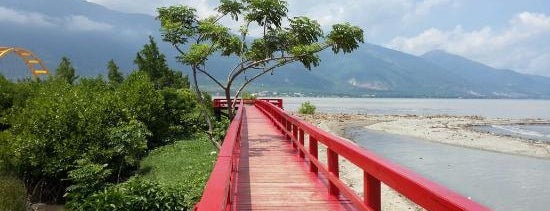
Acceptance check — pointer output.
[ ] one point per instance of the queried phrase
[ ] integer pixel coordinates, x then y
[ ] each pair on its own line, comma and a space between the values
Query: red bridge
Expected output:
269, 161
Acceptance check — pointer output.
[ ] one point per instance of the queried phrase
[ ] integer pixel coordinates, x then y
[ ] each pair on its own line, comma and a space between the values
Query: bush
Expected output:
307, 108
181, 113
12, 194
135, 194
74, 141
187, 173
248, 96
64, 124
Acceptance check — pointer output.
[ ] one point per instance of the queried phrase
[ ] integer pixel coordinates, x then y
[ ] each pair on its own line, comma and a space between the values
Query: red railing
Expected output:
220, 187
376, 169
222, 103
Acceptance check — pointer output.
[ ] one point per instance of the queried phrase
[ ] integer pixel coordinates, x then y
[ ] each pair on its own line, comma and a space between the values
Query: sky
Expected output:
506, 34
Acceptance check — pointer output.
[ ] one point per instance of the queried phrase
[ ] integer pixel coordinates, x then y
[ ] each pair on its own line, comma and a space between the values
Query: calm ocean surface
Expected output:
490, 108
500, 181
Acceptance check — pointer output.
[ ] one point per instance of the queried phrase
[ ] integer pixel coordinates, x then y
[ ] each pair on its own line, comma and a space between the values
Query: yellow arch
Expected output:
35, 64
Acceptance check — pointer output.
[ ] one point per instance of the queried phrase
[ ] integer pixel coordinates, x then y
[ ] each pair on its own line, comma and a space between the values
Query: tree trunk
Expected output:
205, 111
229, 103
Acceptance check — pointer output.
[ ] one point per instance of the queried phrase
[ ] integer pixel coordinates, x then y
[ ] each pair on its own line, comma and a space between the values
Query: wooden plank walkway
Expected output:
272, 177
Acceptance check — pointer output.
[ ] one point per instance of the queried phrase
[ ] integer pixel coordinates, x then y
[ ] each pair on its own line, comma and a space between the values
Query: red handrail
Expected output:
222, 103
376, 169
220, 187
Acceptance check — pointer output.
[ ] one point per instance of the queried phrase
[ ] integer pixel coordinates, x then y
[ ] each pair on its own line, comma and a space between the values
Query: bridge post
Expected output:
301, 140
314, 153
286, 129
294, 136
371, 190
333, 168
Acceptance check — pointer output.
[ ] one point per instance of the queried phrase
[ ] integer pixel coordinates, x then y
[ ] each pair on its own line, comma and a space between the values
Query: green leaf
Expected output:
177, 23
231, 7
266, 12
197, 54
345, 37
305, 30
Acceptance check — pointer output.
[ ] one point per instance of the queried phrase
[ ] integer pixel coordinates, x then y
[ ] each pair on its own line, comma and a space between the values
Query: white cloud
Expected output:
21, 17
73, 23
524, 45
204, 7
422, 8
82, 23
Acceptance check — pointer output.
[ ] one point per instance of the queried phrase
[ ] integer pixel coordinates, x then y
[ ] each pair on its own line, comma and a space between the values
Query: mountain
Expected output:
486, 81
88, 33
91, 35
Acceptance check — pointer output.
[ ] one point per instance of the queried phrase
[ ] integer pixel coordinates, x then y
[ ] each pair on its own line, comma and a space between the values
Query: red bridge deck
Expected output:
264, 164
272, 177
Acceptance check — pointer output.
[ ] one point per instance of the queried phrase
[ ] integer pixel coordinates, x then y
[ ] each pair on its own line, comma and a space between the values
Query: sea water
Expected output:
499, 181
490, 108
535, 132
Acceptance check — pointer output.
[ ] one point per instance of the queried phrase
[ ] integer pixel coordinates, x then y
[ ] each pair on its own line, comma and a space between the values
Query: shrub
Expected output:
87, 179
135, 194
63, 124
12, 194
181, 113
307, 108
248, 96
187, 173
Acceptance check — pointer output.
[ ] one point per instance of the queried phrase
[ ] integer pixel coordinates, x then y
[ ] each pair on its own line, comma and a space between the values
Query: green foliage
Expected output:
6, 93
247, 95
151, 61
177, 23
301, 41
345, 37
12, 194
197, 55
182, 112
87, 179
306, 54
231, 7
80, 140
266, 12
65, 125
114, 75
188, 173
65, 71
8, 162
135, 194
307, 108
305, 30
220, 128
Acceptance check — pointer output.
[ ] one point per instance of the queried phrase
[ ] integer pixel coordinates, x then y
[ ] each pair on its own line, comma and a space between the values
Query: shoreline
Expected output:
349, 173
451, 130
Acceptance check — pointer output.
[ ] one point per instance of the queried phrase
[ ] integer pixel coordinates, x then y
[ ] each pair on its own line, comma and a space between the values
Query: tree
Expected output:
65, 71
151, 61
114, 75
197, 40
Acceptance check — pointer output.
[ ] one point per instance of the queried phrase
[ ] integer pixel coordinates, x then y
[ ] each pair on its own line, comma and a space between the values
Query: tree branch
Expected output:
203, 110
178, 49
263, 73
233, 75
211, 77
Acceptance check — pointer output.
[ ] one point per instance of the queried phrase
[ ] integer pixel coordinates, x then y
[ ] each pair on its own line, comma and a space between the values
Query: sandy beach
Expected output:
452, 130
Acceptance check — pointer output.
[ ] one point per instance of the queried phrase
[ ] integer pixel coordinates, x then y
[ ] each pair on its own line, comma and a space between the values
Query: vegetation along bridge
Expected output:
265, 163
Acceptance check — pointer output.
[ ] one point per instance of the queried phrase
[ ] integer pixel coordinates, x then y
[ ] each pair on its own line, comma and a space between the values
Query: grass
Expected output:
12, 193
185, 165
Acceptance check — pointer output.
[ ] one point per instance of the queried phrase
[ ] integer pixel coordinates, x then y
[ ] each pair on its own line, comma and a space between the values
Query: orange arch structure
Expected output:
35, 64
